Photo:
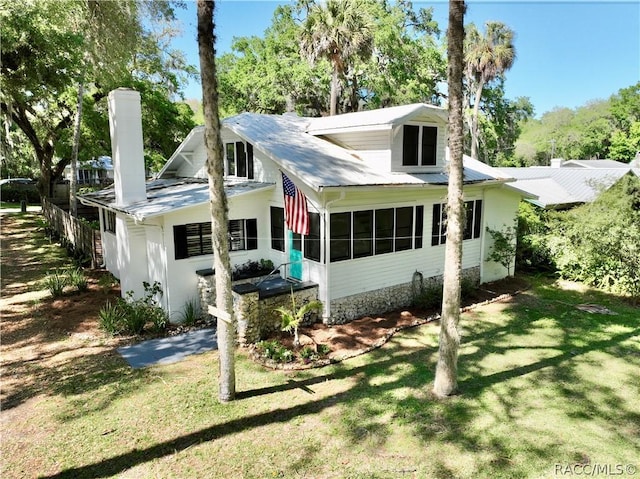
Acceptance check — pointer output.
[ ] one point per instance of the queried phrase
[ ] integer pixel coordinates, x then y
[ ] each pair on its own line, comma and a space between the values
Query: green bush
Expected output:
55, 282
532, 252
599, 243
189, 314
272, 349
428, 297
18, 193
78, 279
111, 318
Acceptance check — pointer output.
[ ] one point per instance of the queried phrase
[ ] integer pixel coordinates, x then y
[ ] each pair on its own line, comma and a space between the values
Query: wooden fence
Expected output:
78, 233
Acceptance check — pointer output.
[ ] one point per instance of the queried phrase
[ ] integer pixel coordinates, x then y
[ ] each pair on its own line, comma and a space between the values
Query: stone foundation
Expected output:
388, 299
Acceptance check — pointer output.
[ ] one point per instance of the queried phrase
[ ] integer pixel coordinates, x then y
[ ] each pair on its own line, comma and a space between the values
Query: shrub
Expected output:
111, 318
323, 349
275, 351
291, 318
428, 297
78, 279
189, 314
106, 282
55, 282
308, 353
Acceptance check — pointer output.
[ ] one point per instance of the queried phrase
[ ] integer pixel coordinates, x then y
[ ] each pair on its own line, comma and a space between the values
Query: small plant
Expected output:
275, 351
308, 354
291, 318
189, 314
429, 297
55, 282
111, 318
503, 250
323, 349
106, 282
78, 279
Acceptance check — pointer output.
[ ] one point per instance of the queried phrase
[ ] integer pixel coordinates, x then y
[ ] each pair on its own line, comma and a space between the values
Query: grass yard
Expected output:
544, 387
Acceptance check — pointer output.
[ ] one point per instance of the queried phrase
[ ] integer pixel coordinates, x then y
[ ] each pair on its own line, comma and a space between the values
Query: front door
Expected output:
295, 255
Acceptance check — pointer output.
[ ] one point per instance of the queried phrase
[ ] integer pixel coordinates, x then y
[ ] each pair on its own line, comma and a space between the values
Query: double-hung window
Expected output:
472, 222
419, 145
109, 220
239, 159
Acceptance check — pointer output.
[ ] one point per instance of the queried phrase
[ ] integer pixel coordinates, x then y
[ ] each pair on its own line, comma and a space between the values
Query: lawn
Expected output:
544, 387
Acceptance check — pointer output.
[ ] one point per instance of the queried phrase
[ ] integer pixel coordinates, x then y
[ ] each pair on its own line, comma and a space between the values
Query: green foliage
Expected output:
189, 315
599, 243
275, 351
56, 281
531, 249
429, 297
107, 281
292, 318
130, 316
503, 248
323, 349
308, 353
18, 193
78, 279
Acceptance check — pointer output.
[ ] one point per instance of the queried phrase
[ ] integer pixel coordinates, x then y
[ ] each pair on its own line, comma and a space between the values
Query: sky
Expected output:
568, 53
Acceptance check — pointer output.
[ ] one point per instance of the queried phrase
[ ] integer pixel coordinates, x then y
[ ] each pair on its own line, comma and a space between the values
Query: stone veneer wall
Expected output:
383, 300
257, 318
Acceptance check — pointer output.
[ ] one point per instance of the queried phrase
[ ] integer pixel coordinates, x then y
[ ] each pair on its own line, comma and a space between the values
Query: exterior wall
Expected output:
503, 207
132, 263
194, 165
374, 147
386, 299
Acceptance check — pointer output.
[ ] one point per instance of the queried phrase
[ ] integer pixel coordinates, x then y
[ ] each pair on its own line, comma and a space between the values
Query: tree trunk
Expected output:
73, 183
475, 140
446, 382
219, 214
333, 110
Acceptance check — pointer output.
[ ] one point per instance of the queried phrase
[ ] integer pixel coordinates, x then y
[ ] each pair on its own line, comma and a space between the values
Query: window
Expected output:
362, 233
239, 159
109, 220
277, 228
472, 226
419, 145
375, 232
312, 240
340, 243
194, 239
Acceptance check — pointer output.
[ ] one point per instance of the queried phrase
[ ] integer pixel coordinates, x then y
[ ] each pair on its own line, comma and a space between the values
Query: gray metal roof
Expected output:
168, 195
322, 164
558, 187
594, 164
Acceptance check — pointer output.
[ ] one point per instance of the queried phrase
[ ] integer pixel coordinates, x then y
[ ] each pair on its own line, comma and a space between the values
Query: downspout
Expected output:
326, 314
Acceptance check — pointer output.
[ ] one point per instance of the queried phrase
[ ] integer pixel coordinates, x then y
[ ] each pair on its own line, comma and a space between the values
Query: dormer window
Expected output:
419, 144
239, 159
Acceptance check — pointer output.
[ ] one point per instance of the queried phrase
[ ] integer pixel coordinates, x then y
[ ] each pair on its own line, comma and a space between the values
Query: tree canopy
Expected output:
49, 47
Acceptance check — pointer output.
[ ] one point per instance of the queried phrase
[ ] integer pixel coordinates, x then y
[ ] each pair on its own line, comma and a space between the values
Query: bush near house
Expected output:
597, 243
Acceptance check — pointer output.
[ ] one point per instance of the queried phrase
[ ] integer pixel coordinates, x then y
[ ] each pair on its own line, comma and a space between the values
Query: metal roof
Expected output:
167, 195
594, 164
322, 164
558, 187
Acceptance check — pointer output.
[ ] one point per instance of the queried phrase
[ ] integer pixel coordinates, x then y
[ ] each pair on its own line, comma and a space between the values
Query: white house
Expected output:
375, 183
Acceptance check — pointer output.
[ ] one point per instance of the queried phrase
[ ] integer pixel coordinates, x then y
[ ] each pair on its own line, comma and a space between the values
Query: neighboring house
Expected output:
92, 172
376, 186
566, 184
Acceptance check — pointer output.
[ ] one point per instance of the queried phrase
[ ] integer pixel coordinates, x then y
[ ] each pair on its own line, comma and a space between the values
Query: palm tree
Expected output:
218, 200
486, 57
340, 31
445, 382
291, 318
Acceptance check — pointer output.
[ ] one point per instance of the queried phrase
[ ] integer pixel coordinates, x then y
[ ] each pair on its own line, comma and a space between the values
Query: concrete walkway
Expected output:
170, 349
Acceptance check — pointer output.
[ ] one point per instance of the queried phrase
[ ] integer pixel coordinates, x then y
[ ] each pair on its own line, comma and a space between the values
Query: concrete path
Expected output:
170, 349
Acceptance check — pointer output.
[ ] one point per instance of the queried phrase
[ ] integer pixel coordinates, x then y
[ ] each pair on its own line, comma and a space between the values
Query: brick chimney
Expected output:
125, 122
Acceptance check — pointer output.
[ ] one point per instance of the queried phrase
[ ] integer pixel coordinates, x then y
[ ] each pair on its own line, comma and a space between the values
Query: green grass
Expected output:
542, 383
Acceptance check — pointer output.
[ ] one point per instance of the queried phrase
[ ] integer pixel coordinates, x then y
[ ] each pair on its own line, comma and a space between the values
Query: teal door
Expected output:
295, 255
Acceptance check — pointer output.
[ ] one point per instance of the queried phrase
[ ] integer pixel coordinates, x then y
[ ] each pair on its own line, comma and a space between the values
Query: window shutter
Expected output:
252, 233
250, 161
419, 226
180, 241
241, 160
477, 224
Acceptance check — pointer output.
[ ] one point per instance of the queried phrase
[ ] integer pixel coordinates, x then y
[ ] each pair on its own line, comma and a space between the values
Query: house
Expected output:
375, 184
97, 171
566, 184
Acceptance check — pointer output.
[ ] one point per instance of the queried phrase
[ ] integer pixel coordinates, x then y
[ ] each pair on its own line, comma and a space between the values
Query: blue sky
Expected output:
568, 53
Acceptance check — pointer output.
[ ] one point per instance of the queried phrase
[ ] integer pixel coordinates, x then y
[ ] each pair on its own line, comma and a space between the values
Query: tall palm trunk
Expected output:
446, 382
475, 135
335, 82
219, 214
73, 183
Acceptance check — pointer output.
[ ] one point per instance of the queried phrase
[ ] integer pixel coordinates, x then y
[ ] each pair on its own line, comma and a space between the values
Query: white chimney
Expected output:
125, 122
556, 162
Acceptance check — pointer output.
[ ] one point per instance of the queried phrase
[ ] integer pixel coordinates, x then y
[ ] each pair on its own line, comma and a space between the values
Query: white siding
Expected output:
373, 147
194, 164
501, 206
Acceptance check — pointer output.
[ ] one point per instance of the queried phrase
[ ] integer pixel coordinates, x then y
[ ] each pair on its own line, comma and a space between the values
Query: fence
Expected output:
80, 234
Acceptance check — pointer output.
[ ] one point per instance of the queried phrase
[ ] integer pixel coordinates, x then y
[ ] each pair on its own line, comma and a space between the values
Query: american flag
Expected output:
295, 207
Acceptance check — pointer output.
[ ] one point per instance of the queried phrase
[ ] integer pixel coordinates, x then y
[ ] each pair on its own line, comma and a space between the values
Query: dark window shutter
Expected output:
252, 233
180, 241
277, 228
241, 160
250, 161
419, 226
435, 228
477, 225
